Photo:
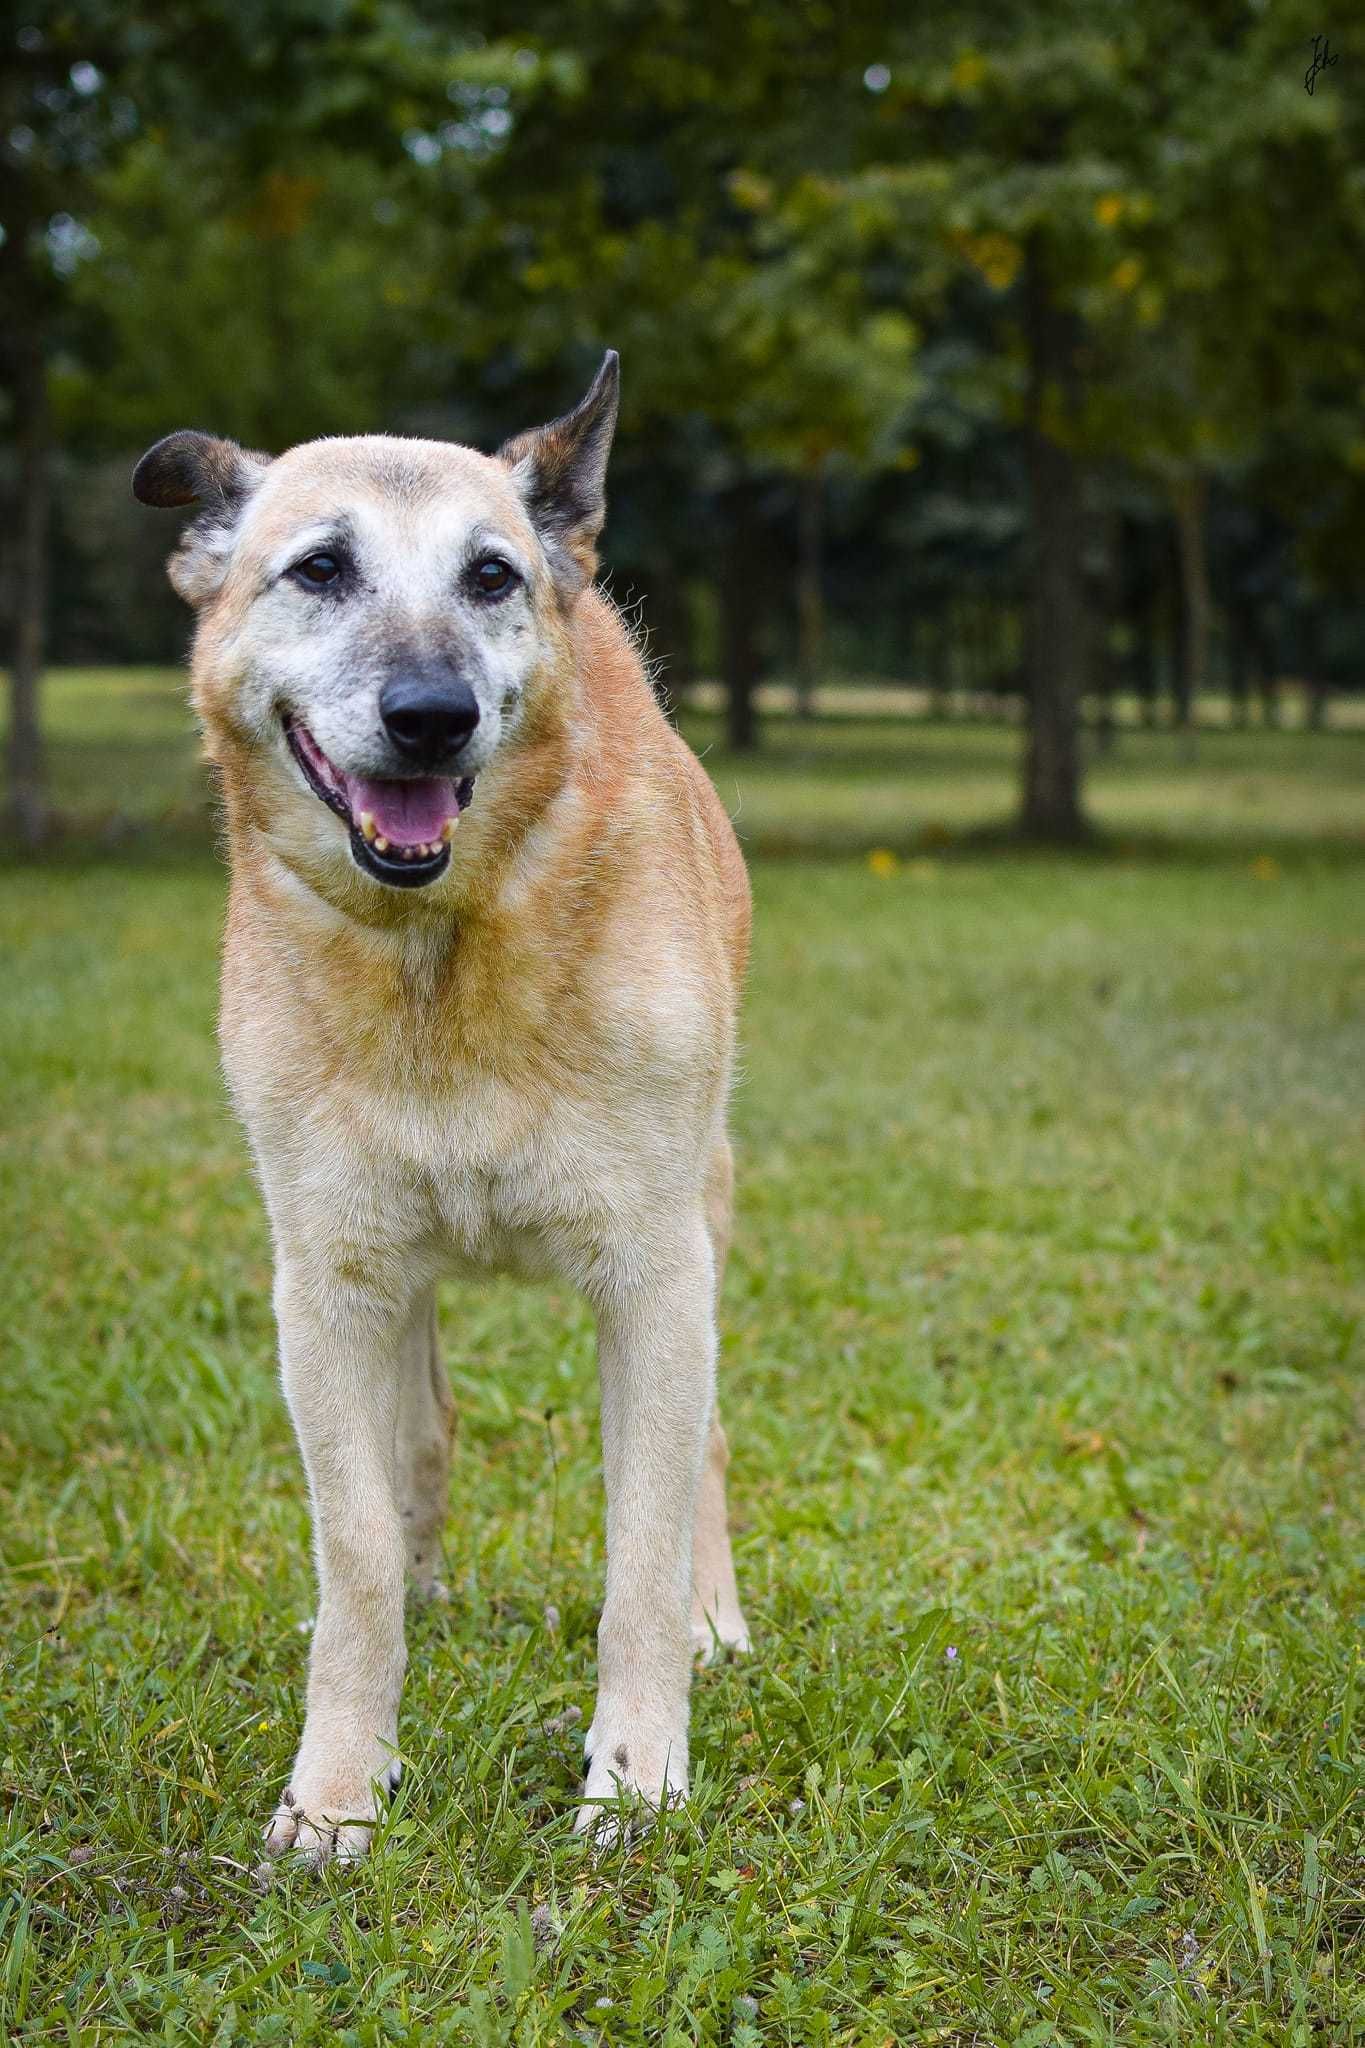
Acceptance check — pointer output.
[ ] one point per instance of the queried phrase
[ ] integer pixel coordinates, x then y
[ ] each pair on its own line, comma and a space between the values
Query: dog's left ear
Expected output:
189, 468
197, 469
561, 472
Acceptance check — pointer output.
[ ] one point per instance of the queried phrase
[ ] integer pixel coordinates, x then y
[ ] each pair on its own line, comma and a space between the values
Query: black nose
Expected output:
428, 718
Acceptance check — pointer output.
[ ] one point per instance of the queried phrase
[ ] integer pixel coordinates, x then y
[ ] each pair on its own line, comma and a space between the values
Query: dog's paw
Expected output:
631, 1775
716, 1637
327, 1814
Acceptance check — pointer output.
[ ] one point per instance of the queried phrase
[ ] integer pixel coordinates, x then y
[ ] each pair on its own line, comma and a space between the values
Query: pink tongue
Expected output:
405, 813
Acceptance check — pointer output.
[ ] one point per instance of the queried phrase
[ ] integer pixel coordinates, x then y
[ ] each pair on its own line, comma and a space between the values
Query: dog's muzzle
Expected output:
400, 830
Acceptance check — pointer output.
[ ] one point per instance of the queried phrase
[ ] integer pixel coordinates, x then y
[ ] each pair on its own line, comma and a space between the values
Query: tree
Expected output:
274, 311
56, 126
1099, 169
1006, 149
85, 92
650, 192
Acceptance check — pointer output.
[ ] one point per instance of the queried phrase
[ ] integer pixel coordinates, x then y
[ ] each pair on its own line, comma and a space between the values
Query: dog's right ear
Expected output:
189, 468
561, 473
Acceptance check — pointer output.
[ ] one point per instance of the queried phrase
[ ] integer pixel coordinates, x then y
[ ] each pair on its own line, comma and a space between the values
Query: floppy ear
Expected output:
198, 469
561, 472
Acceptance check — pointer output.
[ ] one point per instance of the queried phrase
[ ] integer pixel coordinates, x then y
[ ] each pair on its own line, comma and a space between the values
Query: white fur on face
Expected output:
410, 520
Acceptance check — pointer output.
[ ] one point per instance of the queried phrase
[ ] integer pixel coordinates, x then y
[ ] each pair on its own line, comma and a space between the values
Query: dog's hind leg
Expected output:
426, 1421
717, 1619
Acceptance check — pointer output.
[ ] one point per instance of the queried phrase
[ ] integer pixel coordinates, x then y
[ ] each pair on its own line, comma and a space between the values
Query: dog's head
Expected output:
377, 617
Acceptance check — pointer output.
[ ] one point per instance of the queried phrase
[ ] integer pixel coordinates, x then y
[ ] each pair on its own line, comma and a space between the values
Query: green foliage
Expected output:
272, 316
1042, 1364
322, 211
626, 203
212, 203
1189, 201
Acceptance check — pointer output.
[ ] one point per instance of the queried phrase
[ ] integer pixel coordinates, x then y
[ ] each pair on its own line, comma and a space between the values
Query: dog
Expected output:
487, 929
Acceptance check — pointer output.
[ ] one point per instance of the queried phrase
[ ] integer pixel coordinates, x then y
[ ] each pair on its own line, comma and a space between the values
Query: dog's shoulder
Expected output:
686, 827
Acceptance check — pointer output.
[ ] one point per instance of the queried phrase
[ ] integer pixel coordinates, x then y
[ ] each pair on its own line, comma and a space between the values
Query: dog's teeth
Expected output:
409, 853
367, 825
448, 830
381, 844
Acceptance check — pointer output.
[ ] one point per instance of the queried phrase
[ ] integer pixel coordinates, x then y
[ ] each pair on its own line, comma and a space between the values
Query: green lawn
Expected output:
1042, 1366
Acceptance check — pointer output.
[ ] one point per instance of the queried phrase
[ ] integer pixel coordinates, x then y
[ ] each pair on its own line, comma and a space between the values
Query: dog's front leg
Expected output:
341, 1350
656, 1357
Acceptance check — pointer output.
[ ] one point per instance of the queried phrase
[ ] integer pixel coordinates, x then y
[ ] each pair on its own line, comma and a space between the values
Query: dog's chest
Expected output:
502, 1173
528, 1137
511, 1181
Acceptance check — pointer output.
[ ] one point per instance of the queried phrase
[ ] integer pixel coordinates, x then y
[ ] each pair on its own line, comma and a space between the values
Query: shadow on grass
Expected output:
928, 748
175, 842
193, 840
993, 843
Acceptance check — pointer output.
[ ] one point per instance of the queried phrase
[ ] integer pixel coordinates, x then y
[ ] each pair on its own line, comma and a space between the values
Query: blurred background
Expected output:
994, 380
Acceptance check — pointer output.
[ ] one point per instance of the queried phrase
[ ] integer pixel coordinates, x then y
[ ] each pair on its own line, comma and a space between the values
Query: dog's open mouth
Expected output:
400, 831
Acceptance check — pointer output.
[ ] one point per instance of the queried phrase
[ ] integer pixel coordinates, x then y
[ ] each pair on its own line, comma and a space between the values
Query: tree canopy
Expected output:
1106, 257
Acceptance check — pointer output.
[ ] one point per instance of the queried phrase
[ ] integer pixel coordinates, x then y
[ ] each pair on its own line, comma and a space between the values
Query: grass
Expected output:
1042, 1365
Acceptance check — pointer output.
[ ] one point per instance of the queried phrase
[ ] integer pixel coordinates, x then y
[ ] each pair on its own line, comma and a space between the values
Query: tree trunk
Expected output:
1239, 676
1315, 685
810, 601
1267, 648
906, 661
1189, 502
27, 793
1105, 614
1270, 700
940, 687
1051, 798
739, 655
1149, 659
669, 618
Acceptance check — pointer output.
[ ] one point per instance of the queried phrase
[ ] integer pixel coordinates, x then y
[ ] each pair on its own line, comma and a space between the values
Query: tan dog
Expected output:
486, 935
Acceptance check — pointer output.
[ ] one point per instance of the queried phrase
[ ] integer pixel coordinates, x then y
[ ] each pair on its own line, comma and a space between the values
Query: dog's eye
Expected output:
318, 569
492, 574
